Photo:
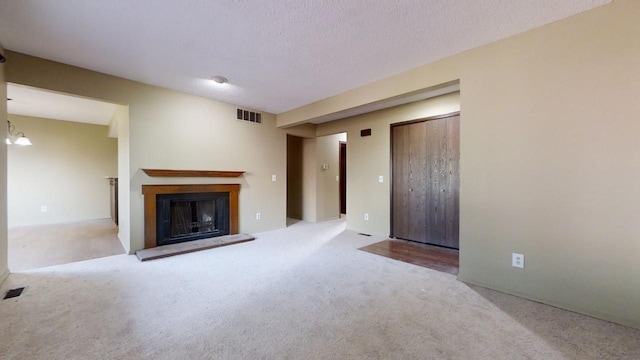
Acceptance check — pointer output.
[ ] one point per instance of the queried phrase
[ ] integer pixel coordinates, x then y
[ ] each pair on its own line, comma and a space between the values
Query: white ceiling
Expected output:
278, 55
29, 101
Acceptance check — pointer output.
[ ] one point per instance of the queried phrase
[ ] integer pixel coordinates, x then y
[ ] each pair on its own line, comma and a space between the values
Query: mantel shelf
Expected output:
191, 173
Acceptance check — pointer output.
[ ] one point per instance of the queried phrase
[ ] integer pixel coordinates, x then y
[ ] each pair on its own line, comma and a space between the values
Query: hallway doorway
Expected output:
60, 201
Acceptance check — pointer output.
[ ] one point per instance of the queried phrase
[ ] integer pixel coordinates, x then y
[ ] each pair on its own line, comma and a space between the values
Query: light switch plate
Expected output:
273, 178
380, 179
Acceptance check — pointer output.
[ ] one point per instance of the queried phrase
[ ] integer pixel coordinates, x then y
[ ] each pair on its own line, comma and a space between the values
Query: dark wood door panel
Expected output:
453, 183
400, 188
436, 153
426, 181
418, 191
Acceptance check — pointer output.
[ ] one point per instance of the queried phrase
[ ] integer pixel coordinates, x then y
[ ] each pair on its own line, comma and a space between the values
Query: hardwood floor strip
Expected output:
433, 257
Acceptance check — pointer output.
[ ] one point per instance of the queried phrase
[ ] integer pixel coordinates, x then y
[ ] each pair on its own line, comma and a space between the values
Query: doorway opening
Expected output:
295, 179
331, 178
60, 191
316, 178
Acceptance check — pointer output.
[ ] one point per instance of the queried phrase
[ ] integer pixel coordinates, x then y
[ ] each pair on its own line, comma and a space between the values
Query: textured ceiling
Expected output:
278, 55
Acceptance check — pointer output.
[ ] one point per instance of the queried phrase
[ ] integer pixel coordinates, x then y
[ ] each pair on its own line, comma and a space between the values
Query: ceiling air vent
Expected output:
249, 116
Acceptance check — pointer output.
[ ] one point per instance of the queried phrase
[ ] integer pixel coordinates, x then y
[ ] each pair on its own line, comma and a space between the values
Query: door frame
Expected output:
391, 126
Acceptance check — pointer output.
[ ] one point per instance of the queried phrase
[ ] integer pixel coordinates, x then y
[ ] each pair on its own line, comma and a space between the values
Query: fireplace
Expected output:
180, 213
186, 217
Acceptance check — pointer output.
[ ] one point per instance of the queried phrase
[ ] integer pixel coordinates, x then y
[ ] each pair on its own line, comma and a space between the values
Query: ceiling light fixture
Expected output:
21, 139
220, 79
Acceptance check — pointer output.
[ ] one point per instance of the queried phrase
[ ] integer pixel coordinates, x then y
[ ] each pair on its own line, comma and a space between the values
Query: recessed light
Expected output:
220, 79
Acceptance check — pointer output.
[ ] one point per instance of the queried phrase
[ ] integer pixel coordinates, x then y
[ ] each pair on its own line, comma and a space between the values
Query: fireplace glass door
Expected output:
186, 217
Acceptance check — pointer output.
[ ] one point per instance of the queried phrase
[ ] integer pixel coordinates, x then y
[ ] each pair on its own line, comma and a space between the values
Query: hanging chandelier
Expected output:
20, 138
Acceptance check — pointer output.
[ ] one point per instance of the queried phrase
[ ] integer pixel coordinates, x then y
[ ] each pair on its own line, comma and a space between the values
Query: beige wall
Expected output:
207, 136
4, 267
171, 130
64, 170
327, 188
549, 159
304, 130
369, 157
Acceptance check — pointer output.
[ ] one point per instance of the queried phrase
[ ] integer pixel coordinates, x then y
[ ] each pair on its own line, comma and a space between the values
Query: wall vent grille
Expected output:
249, 116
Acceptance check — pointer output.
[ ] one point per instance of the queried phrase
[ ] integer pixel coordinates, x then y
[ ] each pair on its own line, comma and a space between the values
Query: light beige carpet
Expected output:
304, 292
32, 247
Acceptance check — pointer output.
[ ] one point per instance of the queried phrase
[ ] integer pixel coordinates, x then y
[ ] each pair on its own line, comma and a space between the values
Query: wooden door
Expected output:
409, 186
400, 170
343, 177
425, 186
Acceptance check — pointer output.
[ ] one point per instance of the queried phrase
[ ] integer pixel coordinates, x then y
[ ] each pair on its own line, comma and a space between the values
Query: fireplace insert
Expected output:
192, 216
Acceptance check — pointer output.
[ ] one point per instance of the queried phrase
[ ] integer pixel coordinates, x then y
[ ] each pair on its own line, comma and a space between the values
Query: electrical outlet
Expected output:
517, 260
366, 216
43, 208
380, 179
258, 216
273, 178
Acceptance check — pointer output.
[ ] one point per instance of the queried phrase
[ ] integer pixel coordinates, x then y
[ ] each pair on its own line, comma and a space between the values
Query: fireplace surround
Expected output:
198, 211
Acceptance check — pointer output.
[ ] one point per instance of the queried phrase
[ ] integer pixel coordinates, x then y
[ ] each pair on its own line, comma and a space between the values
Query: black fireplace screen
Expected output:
186, 217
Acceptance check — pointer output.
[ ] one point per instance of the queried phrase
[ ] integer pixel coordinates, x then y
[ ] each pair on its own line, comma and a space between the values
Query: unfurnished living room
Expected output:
320, 179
